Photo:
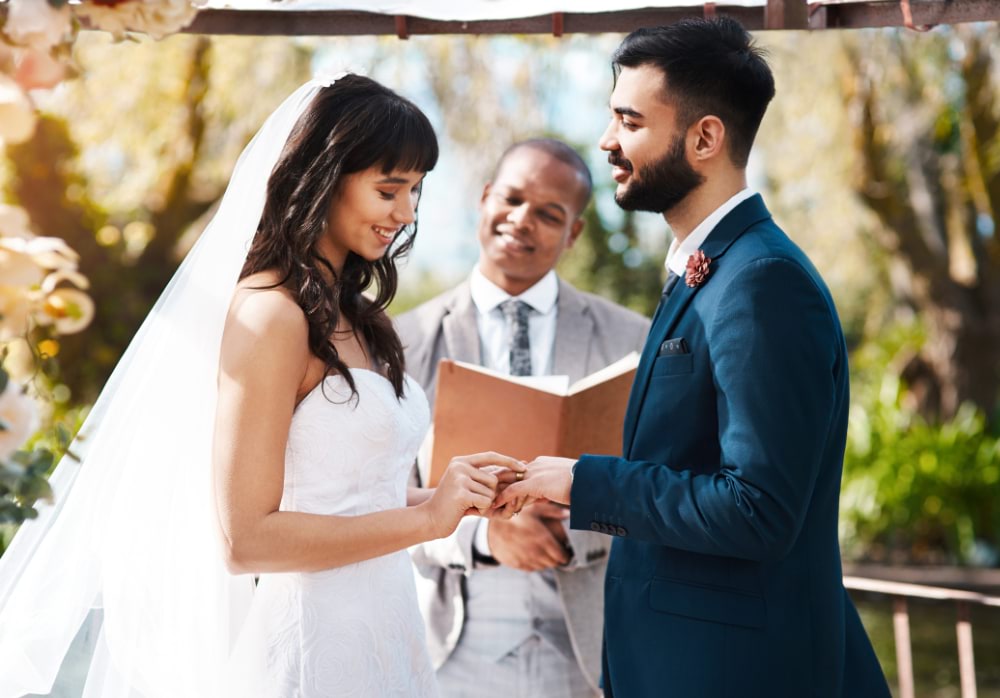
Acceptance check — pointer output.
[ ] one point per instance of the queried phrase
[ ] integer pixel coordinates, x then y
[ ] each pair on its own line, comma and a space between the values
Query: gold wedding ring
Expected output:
518, 476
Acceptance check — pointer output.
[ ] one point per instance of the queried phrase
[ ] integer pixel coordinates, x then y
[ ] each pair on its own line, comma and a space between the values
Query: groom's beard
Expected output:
659, 186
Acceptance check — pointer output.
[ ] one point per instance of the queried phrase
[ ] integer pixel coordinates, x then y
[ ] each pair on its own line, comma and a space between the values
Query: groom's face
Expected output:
646, 146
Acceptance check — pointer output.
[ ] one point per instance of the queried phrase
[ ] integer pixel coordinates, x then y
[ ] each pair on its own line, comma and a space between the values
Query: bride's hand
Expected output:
467, 486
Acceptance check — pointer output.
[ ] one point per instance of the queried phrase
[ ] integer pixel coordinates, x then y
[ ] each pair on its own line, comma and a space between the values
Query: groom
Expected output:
724, 578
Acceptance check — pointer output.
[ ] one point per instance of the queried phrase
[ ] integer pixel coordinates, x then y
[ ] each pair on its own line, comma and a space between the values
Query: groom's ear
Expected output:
709, 136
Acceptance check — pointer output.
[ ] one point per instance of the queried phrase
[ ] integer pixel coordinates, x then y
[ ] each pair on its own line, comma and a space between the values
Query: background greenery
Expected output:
880, 156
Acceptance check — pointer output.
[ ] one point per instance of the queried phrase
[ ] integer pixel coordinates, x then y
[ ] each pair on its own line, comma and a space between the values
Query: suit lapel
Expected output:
459, 328
729, 229
574, 328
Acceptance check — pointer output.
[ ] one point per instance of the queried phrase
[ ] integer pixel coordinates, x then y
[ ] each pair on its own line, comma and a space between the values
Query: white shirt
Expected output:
493, 333
505, 606
677, 255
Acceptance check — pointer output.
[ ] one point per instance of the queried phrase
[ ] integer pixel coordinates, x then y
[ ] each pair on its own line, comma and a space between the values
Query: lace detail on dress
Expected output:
353, 630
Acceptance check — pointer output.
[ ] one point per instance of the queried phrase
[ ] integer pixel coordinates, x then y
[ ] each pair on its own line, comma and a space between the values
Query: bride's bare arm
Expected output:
417, 495
263, 363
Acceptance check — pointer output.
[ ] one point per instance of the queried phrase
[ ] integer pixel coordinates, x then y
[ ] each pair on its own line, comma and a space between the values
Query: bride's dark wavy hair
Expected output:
350, 126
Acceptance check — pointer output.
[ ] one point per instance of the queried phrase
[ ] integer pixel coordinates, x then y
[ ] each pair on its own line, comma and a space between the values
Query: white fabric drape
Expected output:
133, 530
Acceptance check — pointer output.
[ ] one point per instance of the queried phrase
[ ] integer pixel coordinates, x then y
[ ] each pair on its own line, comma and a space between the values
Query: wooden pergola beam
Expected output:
352, 23
778, 14
858, 15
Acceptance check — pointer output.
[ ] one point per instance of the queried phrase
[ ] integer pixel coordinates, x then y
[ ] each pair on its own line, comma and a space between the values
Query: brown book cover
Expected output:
477, 410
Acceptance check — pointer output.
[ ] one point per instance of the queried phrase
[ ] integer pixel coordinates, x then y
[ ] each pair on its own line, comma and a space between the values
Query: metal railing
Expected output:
900, 592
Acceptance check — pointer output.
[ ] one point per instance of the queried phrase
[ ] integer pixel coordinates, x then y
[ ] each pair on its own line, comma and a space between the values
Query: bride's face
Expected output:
368, 211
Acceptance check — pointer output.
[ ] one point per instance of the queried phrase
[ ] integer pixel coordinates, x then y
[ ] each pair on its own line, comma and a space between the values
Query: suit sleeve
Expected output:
453, 553
773, 348
589, 549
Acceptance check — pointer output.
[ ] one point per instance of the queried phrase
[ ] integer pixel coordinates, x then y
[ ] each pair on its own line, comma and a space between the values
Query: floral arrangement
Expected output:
37, 36
42, 294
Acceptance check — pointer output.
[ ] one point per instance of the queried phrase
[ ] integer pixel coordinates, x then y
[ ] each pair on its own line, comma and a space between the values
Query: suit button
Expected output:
621, 531
594, 526
610, 530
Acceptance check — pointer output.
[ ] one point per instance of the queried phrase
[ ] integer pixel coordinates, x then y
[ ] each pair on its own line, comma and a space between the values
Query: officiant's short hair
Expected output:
710, 66
562, 152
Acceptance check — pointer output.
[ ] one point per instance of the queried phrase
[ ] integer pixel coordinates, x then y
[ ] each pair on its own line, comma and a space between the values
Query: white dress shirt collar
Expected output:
487, 295
677, 255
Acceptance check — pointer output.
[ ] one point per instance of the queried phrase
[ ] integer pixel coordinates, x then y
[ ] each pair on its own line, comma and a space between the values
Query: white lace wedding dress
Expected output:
354, 630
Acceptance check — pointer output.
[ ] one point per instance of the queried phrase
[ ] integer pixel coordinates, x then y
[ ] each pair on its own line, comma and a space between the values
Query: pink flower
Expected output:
697, 269
38, 25
38, 70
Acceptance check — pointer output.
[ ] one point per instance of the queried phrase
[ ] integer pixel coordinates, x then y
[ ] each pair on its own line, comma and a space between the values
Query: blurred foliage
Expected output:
127, 170
24, 474
915, 491
611, 262
925, 130
24, 477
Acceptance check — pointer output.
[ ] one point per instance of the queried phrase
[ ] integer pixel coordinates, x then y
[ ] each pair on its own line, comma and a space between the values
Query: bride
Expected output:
260, 423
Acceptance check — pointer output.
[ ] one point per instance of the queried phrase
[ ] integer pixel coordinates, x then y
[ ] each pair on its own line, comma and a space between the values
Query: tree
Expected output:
132, 193
927, 138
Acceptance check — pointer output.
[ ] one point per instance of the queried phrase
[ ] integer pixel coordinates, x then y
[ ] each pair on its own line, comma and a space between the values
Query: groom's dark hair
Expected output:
709, 67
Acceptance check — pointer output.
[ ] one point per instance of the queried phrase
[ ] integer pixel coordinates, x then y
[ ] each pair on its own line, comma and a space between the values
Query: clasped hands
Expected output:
498, 487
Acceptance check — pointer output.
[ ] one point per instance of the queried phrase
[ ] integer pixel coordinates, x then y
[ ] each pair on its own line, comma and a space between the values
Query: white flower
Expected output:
158, 18
74, 277
36, 23
18, 419
17, 113
19, 363
68, 309
14, 222
47, 252
17, 306
18, 268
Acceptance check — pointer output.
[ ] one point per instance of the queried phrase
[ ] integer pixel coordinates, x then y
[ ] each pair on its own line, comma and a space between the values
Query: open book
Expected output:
477, 410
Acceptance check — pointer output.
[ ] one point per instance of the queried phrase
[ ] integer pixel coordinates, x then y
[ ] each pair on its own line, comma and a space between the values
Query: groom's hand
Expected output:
532, 541
546, 477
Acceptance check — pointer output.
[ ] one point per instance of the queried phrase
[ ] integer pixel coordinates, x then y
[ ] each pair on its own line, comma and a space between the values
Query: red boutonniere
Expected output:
697, 269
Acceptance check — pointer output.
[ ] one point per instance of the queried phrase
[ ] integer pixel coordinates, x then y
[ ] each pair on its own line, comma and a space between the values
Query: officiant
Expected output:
514, 607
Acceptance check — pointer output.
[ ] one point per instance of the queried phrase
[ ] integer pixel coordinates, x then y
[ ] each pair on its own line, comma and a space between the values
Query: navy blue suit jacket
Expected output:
724, 578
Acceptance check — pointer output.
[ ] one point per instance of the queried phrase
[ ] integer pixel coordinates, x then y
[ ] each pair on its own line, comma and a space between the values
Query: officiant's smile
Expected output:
530, 213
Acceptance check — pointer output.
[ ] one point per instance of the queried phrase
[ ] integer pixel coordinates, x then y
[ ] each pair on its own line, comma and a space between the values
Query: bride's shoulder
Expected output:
260, 303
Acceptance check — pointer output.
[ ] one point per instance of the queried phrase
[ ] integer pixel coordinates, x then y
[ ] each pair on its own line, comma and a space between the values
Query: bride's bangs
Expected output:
402, 140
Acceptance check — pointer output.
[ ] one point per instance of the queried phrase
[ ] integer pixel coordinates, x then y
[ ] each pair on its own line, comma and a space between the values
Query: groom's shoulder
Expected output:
764, 243
766, 254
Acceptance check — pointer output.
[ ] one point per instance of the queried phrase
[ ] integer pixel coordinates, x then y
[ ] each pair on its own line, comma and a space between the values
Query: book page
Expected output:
557, 385
627, 363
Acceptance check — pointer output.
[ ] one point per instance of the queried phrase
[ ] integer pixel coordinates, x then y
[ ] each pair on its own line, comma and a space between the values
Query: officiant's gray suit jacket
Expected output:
591, 333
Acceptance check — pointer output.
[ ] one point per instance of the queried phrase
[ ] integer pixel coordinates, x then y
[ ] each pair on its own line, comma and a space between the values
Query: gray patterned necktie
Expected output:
516, 314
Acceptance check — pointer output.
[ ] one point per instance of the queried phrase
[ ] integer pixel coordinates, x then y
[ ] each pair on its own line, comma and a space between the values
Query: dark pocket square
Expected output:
677, 345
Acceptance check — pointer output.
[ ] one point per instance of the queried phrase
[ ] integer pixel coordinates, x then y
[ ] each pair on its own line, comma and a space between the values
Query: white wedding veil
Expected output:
128, 552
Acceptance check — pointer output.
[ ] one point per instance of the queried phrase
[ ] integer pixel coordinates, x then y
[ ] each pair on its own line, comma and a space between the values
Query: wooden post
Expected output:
786, 14
904, 656
966, 659
557, 24
402, 27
